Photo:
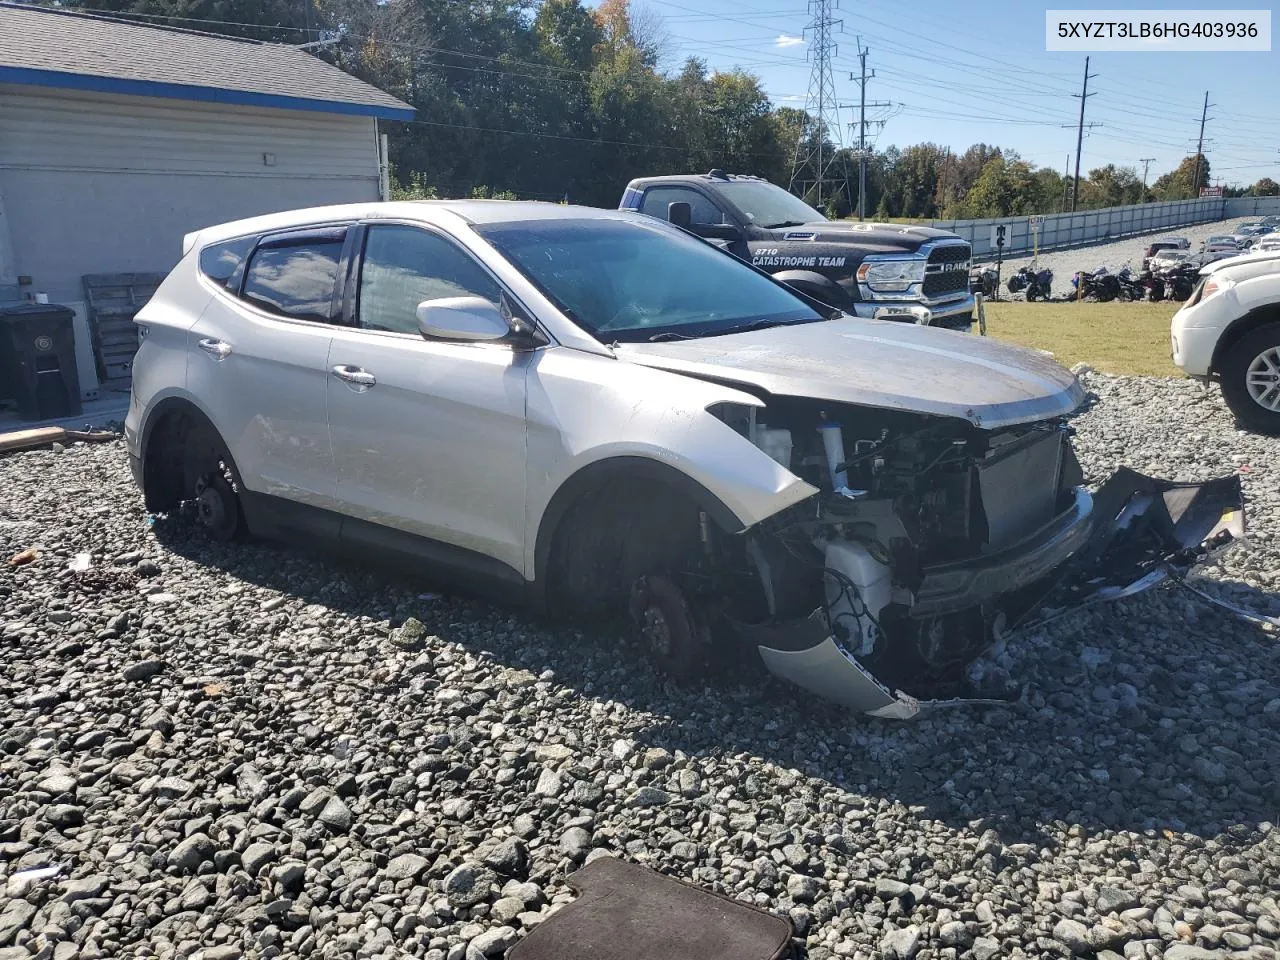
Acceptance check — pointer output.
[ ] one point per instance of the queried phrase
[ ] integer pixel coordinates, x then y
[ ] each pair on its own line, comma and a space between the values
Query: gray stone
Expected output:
494, 942
506, 909
1114, 900
549, 783
802, 889
142, 670
985, 948
336, 815
890, 889
1073, 934
468, 885
507, 857
15, 916
407, 866
191, 852
575, 843
1186, 951
901, 944
954, 934
256, 856
649, 797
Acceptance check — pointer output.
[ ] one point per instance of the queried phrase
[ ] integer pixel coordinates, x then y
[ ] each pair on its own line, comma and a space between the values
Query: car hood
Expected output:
880, 363
871, 237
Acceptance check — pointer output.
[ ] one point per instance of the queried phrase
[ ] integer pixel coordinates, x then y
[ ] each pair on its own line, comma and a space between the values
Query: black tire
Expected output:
210, 483
1246, 353
668, 628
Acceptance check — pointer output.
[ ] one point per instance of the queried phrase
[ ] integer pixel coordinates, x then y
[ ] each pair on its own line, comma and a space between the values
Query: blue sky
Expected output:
962, 73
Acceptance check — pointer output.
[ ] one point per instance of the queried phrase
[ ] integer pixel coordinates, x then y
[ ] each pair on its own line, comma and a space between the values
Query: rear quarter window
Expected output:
223, 263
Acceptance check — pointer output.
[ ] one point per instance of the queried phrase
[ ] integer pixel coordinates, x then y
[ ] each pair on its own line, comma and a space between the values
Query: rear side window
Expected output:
293, 275
223, 263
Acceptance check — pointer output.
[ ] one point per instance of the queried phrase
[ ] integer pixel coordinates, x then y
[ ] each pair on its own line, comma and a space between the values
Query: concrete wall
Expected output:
97, 183
1057, 231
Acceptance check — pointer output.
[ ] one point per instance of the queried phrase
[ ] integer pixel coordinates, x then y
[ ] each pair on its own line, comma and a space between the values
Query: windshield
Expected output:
628, 281
1221, 240
768, 205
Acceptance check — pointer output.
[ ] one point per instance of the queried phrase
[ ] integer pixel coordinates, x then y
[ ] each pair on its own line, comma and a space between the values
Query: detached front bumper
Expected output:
1128, 537
951, 314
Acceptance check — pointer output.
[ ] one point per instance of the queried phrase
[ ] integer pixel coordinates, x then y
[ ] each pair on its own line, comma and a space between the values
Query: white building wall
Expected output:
103, 183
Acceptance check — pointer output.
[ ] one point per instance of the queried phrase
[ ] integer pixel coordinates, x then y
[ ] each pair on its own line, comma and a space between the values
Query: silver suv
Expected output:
603, 414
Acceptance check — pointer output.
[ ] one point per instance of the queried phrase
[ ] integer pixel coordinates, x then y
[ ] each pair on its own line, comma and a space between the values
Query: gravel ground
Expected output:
240, 751
1113, 256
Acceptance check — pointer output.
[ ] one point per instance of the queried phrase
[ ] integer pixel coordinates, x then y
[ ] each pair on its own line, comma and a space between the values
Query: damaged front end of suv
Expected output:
931, 533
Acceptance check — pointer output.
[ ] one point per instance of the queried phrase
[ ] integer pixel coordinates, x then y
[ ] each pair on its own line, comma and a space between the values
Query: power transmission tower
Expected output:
862, 125
1146, 163
1084, 95
822, 111
1204, 115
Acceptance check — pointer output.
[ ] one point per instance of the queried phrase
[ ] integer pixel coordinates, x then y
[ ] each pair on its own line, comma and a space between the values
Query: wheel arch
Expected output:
162, 413
815, 285
1238, 328
594, 476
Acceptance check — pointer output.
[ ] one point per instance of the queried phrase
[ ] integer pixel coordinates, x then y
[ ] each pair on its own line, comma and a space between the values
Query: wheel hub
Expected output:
1262, 379
212, 503
656, 631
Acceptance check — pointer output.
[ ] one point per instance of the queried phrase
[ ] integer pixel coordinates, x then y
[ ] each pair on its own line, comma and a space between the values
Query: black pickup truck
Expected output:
877, 270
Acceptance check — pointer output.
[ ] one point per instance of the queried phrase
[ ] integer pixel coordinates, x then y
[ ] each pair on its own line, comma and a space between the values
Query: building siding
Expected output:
97, 183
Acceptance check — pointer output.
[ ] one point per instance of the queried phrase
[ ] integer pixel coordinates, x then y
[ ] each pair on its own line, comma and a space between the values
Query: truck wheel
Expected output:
1251, 379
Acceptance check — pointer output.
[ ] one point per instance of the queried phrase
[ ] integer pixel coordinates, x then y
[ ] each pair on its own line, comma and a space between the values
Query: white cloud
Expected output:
785, 40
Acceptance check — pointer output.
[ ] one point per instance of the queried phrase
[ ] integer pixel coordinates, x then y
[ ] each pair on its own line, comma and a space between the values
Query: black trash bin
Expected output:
38, 360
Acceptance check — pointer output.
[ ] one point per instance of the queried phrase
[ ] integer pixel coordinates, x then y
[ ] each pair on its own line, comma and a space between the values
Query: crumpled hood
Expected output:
870, 237
880, 363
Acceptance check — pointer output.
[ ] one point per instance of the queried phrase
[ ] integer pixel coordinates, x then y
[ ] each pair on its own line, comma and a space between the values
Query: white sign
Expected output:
1157, 31
999, 234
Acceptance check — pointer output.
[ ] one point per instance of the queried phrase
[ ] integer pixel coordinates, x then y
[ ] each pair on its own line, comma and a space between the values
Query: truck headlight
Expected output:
891, 276
1216, 284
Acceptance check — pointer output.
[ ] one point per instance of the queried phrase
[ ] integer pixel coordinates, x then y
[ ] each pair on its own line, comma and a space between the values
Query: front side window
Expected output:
404, 266
293, 275
636, 280
702, 210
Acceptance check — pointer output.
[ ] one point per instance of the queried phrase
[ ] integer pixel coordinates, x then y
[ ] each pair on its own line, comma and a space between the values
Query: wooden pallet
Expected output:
112, 301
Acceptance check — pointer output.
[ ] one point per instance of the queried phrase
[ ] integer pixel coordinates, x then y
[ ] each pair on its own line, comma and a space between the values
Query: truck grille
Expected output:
947, 270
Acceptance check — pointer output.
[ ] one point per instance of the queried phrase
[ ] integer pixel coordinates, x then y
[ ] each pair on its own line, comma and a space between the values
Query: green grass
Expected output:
1128, 338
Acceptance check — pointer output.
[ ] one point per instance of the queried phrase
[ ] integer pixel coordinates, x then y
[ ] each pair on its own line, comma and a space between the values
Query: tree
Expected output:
1266, 187
1179, 184
568, 33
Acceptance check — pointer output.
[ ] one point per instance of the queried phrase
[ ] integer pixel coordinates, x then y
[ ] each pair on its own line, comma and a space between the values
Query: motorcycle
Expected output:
1037, 283
1130, 286
1180, 280
983, 280
1153, 283
1100, 285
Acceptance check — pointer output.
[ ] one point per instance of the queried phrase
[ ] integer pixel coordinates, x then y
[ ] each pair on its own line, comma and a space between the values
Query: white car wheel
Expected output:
1263, 379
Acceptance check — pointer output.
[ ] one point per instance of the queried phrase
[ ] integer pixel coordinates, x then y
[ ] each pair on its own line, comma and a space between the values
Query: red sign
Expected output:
1210, 191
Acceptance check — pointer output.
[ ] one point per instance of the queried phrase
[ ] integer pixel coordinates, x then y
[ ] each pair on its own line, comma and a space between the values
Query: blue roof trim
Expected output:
182, 91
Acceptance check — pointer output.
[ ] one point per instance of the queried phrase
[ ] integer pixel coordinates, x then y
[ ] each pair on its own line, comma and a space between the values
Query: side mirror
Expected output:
680, 213
467, 319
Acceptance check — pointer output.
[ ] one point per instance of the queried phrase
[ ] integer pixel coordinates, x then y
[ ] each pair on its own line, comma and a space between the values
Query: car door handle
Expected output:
217, 349
357, 376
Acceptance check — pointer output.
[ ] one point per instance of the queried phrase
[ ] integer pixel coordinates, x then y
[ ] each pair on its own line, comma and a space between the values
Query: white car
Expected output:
1229, 331
600, 412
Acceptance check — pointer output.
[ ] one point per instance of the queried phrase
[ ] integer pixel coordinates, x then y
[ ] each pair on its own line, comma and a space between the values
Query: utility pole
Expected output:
1146, 163
1066, 179
1084, 95
1204, 115
862, 125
